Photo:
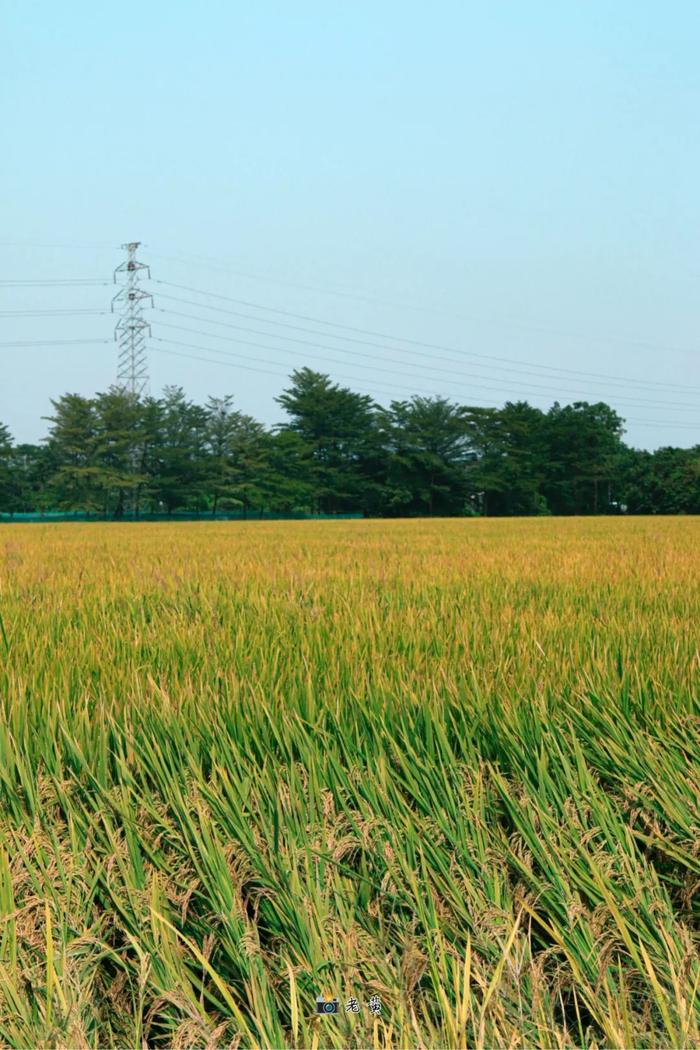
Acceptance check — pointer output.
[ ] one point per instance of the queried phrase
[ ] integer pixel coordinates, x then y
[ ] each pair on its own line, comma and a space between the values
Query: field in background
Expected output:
452, 763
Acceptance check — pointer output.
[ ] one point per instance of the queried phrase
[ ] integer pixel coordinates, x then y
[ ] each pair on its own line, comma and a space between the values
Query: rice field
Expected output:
453, 764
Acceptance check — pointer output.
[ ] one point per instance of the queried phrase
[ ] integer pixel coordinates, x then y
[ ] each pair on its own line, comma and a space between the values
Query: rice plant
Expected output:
452, 764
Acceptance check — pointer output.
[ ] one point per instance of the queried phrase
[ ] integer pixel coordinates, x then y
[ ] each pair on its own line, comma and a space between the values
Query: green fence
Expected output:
52, 516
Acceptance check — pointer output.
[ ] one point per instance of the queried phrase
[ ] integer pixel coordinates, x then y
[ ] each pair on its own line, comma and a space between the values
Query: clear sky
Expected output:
517, 183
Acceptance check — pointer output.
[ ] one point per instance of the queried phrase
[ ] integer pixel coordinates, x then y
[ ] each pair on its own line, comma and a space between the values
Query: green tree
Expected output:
179, 459
32, 467
250, 462
221, 426
288, 480
117, 451
77, 483
427, 441
509, 464
339, 427
666, 481
339, 452
238, 457
8, 486
583, 445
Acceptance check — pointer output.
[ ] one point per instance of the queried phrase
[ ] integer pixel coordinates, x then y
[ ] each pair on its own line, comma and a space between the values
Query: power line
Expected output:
509, 369
635, 402
61, 244
517, 325
50, 313
513, 362
248, 357
133, 306
211, 360
389, 388
58, 282
55, 342
264, 371
285, 374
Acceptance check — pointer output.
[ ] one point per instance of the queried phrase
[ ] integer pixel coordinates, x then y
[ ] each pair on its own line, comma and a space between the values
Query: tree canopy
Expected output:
339, 452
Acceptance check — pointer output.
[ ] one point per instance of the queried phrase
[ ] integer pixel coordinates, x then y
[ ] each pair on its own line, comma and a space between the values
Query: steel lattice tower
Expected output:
131, 330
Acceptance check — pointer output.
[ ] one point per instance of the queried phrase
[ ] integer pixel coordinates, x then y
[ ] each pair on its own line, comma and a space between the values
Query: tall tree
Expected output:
8, 486
509, 465
238, 450
288, 485
118, 454
77, 483
583, 443
32, 467
428, 445
250, 462
221, 426
338, 426
180, 456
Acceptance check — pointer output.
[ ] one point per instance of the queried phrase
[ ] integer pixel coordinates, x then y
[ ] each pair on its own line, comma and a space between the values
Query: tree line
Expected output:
339, 452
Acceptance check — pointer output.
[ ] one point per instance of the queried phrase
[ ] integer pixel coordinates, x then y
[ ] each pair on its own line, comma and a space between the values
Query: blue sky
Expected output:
514, 183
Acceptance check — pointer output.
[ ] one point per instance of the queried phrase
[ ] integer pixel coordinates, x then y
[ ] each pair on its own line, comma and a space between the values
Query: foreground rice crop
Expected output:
452, 763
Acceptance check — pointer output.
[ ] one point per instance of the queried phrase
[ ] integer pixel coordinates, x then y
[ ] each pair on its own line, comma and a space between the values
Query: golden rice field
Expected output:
455, 764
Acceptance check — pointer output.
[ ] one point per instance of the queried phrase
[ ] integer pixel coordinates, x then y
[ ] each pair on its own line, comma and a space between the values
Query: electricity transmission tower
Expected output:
131, 329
